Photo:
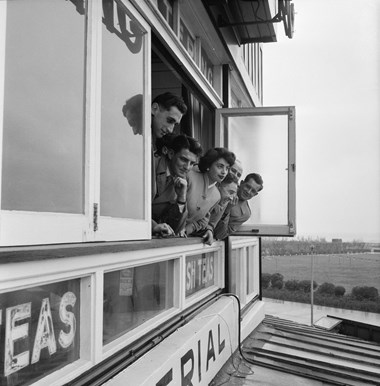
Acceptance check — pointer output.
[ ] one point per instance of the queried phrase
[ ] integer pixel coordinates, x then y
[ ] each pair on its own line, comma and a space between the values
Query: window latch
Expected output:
95, 216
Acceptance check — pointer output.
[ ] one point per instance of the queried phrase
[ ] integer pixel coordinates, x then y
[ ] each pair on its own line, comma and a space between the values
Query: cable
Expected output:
239, 329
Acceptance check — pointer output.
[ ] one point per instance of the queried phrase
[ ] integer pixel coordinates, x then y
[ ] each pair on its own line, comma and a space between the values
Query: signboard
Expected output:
38, 331
207, 67
199, 272
186, 39
192, 355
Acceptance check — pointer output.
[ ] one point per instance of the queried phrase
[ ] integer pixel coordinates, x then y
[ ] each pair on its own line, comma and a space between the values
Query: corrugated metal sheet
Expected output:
314, 353
290, 353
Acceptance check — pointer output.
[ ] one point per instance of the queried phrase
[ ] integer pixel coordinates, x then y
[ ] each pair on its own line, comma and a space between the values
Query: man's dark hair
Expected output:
185, 142
213, 155
164, 142
167, 100
177, 143
256, 177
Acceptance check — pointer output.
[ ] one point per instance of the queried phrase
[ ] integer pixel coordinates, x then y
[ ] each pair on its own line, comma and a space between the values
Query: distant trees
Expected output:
339, 291
365, 293
265, 280
327, 289
361, 298
277, 280
302, 246
292, 285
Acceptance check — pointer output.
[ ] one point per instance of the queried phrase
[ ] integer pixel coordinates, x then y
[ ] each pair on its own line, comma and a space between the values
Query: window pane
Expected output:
199, 272
134, 295
122, 155
250, 270
43, 115
39, 331
261, 144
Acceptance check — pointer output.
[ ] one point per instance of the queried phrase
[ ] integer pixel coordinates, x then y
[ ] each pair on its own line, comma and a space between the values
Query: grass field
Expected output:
362, 269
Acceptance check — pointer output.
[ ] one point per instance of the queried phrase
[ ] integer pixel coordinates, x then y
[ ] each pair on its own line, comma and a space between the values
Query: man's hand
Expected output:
208, 237
163, 230
180, 187
235, 200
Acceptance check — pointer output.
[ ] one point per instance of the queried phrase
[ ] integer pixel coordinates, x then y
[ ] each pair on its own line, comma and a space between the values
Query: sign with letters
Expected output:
199, 272
38, 331
192, 355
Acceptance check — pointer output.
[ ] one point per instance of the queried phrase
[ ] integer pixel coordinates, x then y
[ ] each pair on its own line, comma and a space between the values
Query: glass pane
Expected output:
233, 263
250, 269
122, 138
261, 144
200, 271
39, 331
132, 296
43, 146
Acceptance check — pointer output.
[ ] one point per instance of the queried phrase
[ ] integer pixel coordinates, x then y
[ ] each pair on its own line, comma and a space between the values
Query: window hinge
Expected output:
95, 218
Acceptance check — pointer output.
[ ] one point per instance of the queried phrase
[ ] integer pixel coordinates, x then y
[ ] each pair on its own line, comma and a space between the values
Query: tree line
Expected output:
305, 246
361, 298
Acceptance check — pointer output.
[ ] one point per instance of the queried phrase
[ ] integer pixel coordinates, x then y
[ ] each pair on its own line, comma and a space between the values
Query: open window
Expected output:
74, 164
263, 139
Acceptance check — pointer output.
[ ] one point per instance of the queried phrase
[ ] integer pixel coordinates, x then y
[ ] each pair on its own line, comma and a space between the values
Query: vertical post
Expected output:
311, 286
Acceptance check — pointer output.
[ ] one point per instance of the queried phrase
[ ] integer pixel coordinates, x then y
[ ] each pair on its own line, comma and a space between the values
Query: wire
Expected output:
239, 329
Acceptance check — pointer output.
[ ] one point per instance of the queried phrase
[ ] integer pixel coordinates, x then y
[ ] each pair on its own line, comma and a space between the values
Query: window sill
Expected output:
47, 252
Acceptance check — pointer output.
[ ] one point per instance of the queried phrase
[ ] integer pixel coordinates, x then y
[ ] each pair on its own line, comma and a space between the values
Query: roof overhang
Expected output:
253, 21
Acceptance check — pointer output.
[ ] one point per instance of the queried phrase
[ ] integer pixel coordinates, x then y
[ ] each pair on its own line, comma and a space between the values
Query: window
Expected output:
263, 139
244, 268
72, 159
133, 296
166, 8
122, 140
40, 332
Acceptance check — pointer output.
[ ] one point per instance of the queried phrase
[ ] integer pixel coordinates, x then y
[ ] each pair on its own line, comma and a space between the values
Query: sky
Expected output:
330, 71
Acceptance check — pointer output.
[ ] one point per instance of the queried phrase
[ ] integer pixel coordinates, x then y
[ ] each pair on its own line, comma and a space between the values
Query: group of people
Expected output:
194, 194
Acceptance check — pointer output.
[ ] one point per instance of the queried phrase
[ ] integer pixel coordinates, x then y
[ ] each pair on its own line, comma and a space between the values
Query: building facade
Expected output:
87, 296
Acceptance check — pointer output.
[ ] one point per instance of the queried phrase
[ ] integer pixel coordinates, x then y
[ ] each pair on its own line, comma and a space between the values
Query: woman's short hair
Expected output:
215, 154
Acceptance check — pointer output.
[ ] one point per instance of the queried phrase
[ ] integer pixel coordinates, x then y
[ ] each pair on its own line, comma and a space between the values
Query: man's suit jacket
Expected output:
164, 205
232, 219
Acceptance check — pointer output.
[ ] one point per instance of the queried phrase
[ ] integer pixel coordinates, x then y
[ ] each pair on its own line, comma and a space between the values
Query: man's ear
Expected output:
155, 108
170, 153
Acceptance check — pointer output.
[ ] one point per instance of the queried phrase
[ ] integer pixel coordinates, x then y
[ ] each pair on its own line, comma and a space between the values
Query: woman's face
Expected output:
218, 170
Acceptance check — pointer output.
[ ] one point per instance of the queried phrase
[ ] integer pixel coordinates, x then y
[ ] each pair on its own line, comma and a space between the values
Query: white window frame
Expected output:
29, 227
221, 131
16, 276
246, 249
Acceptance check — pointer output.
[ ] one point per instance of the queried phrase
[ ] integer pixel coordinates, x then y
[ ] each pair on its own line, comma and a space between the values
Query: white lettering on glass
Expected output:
67, 317
13, 363
45, 332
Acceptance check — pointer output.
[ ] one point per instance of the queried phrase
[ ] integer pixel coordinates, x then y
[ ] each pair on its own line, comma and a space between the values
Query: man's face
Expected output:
182, 162
248, 189
227, 192
163, 121
237, 169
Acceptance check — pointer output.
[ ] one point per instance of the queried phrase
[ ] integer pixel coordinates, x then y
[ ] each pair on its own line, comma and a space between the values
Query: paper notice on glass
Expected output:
126, 282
